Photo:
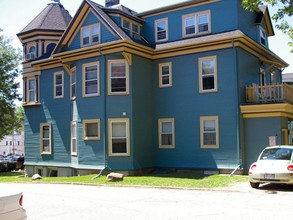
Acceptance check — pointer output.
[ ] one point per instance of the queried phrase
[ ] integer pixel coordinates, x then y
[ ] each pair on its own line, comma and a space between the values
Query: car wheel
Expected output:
254, 185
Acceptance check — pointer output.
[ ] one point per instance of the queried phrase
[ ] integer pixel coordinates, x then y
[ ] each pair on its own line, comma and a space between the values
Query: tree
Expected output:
9, 62
285, 10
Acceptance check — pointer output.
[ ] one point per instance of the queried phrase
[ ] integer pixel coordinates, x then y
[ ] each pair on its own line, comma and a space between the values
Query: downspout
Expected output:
239, 160
105, 115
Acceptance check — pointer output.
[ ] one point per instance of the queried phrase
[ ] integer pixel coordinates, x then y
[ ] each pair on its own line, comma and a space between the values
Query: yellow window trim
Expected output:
160, 121
161, 65
205, 118
89, 121
110, 122
41, 139
126, 75
200, 75
84, 66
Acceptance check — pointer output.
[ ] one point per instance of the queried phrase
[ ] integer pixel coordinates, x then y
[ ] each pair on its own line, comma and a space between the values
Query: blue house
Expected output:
192, 85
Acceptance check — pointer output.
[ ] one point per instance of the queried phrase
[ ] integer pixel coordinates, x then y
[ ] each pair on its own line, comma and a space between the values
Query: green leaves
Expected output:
9, 62
285, 10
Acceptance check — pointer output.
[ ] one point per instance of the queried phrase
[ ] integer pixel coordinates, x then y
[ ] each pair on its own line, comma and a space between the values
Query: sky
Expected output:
16, 14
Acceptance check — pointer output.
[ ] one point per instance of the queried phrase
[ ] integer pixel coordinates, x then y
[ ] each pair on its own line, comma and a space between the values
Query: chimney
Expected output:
110, 3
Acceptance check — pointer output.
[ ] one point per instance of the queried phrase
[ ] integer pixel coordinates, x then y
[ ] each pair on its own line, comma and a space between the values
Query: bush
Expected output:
7, 166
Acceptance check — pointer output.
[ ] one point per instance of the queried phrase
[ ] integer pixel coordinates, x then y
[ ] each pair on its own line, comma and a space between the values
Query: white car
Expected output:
274, 165
11, 206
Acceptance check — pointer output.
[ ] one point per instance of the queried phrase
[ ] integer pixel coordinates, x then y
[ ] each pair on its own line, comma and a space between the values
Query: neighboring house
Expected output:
288, 78
191, 85
12, 144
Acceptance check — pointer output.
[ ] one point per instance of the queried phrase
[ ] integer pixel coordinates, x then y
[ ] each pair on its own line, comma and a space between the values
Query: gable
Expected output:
89, 13
106, 35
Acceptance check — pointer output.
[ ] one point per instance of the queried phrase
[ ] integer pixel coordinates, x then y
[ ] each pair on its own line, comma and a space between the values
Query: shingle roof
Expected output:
53, 17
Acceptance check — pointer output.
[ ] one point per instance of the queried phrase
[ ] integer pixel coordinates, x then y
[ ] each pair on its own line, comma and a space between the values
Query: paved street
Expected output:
74, 202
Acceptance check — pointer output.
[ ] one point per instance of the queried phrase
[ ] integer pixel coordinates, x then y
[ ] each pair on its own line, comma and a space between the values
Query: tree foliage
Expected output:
285, 10
9, 62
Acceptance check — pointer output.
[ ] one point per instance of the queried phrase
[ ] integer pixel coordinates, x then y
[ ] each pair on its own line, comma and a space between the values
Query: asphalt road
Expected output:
74, 202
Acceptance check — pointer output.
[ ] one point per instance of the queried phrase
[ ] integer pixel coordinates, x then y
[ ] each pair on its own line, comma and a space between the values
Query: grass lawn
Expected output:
182, 180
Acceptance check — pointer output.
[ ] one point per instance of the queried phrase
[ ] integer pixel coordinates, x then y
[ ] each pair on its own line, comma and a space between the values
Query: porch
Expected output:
276, 93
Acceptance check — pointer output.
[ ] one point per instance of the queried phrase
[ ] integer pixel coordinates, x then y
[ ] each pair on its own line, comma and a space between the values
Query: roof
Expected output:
54, 18
171, 7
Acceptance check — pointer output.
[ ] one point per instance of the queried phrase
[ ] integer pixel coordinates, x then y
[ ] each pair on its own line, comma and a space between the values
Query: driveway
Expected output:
74, 202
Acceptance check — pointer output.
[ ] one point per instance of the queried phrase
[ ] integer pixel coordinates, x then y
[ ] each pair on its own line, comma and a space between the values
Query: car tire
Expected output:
254, 185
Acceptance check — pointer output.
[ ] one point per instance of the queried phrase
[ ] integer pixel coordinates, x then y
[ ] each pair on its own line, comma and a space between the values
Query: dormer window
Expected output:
31, 54
90, 35
262, 36
131, 29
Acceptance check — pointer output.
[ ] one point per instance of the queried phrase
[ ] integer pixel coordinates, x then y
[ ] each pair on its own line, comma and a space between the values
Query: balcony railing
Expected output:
269, 93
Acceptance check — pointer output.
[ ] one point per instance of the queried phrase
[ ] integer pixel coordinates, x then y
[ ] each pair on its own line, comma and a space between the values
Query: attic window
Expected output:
90, 35
131, 29
263, 36
31, 54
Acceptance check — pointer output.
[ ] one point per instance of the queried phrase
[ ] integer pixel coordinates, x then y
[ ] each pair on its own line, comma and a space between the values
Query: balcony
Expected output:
277, 93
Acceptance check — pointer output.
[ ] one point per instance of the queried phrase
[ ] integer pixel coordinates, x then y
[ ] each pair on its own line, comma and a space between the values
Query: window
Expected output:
73, 83
31, 54
131, 29
165, 74
90, 74
209, 132
197, 23
208, 74
126, 26
161, 29
45, 138
263, 36
73, 138
166, 133
118, 77
31, 90
91, 129
58, 85
90, 35
119, 137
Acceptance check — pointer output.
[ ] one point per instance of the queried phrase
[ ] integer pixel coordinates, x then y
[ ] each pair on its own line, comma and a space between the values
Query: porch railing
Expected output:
269, 93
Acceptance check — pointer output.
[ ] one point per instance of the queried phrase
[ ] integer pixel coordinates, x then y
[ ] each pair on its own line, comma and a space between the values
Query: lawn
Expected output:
181, 180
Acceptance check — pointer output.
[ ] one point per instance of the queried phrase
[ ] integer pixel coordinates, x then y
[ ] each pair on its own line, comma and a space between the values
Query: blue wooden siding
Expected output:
106, 34
223, 19
257, 133
143, 106
183, 102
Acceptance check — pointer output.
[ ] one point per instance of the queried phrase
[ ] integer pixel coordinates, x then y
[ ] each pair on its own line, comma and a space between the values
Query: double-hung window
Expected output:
58, 84
126, 26
165, 74
208, 74
90, 35
263, 36
45, 138
31, 90
196, 23
209, 132
90, 77
166, 129
91, 129
73, 83
118, 77
161, 30
73, 141
119, 137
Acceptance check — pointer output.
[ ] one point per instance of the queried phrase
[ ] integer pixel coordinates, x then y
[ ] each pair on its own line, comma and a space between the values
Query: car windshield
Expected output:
276, 154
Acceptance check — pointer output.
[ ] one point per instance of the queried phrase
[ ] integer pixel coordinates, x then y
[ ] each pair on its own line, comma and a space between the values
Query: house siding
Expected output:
182, 102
